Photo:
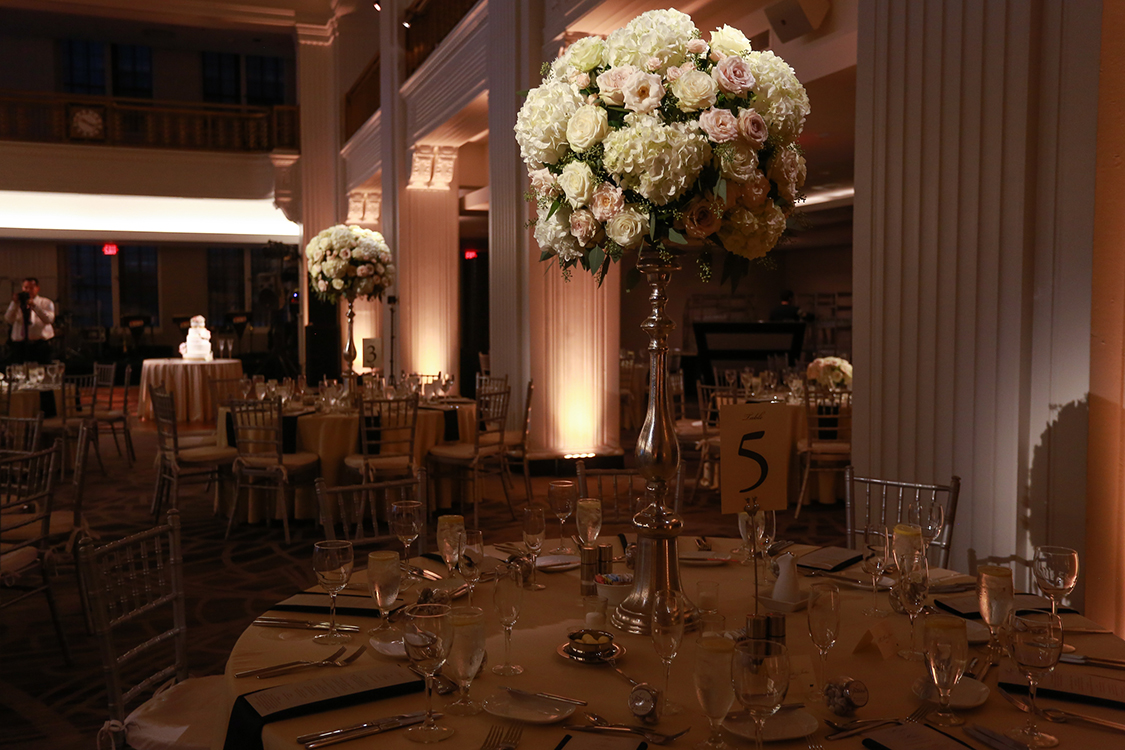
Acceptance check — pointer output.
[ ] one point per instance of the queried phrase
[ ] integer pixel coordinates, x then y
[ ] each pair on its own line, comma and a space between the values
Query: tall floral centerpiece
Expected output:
346, 262
656, 140
830, 372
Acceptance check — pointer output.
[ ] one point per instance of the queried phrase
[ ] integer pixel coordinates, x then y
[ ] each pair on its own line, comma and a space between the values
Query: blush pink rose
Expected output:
654, 63
733, 75
607, 202
696, 46
755, 190
611, 84
702, 218
543, 183
585, 228
752, 127
719, 125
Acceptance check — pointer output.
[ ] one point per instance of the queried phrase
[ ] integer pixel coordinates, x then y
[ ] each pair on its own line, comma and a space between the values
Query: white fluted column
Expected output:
394, 161
972, 257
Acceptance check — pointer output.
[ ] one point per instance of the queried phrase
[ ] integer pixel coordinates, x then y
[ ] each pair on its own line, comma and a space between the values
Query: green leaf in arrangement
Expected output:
652, 226
632, 278
546, 255
554, 207
721, 190
735, 268
597, 258
676, 237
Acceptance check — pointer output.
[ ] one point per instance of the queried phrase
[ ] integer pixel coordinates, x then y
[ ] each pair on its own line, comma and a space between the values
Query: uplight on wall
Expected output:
579, 455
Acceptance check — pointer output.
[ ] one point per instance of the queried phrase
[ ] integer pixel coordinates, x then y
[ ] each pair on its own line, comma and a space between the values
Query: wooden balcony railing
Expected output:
430, 23
145, 123
362, 99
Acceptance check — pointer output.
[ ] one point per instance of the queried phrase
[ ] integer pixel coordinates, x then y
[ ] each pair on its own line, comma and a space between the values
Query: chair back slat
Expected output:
164, 412
258, 428
488, 383
348, 507
614, 487
492, 417
105, 385
388, 426
27, 488
828, 414
526, 415
19, 434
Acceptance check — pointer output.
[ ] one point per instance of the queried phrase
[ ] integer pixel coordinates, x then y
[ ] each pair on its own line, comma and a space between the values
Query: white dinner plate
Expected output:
393, 649
969, 693
702, 557
557, 563
784, 725
527, 708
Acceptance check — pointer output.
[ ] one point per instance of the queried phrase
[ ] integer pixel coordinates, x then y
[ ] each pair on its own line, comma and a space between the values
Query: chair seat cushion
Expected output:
198, 440
109, 415
291, 461
13, 562
192, 709
391, 462
841, 448
461, 452
62, 524
206, 454
513, 437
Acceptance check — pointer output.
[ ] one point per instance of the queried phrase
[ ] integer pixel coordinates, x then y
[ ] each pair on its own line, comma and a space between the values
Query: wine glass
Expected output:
465, 657
947, 653
1036, 639
824, 626
448, 529
668, 610
332, 561
1056, 572
760, 670
907, 538
765, 528
427, 636
589, 519
996, 597
406, 523
383, 582
470, 556
534, 531
913, 587
507, 598
875, 565
713, 685
561, 496
930, 520
246, 386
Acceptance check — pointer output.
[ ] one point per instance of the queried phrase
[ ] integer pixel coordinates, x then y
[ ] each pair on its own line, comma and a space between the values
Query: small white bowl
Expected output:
615, 593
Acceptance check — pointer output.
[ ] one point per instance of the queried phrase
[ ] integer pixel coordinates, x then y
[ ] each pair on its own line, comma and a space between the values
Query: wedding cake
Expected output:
198, 344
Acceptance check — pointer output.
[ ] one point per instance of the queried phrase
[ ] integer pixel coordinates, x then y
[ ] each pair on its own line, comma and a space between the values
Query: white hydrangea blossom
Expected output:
781, 99
542, 120
554, 234
658, 161
658, 34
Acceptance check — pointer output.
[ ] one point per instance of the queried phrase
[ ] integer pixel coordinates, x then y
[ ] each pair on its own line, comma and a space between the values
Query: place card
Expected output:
346, 604
829, 559
882, 637
591, 741
912, 736
1069, 683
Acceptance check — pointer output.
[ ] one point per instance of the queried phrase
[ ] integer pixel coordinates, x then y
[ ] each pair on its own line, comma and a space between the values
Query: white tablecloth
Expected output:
543, 624
188, 381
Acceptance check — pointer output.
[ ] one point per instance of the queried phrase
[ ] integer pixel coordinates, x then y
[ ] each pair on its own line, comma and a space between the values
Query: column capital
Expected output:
315, 34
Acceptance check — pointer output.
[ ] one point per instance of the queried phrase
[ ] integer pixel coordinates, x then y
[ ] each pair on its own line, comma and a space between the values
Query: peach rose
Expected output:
607, 202
752, 127
702, 217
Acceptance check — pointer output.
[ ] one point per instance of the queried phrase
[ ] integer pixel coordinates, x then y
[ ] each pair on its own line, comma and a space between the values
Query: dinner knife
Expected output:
992, 738
269, 622
304, 739
548, 696
1092, 661
357, 734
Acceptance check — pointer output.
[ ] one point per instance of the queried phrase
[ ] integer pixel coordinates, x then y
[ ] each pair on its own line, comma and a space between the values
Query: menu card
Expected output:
968, 605
359, 606
830, 559
1071, 683
912, 736
591, 741
254, 710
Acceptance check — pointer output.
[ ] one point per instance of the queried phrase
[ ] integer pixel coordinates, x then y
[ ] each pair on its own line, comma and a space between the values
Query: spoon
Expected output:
1059, 716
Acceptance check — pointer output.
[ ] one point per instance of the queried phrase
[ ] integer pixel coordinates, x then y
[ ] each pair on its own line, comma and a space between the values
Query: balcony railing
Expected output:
362, 99
145, 123
430, 23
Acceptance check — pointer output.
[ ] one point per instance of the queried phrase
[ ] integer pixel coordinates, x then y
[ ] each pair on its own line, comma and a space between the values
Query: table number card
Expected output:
755, 455
882, 637
372, 353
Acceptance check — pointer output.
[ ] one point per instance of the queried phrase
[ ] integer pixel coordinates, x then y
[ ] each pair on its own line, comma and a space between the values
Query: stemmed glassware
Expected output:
824, 626
534, 531
913, 587
1056, 572
713, 683
930, 520
760, 670
668, 609
470, 556
507, 598
589, 519
465, 657
877, 545
947, 653
406, 523
996, 597
449, 527
561, 496
757, 533
332, 561
1037, 640
428, 636
383, 582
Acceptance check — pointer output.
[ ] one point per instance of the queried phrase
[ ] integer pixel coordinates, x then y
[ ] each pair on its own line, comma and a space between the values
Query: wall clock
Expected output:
87, 123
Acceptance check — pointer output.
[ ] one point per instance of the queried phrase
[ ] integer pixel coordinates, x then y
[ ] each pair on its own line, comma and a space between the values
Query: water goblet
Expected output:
534, 531
384, 578
913, 587
507, 598
1036, 639
824, 627
406, 523
428, 636
668, 611
332, 561
996, 597
448, 528
589, 519
947, 654
561, 496
875, 565
930, 520
713, 684
906, 539
246, 386
760, 671
470, 557
465, 657
1056, 572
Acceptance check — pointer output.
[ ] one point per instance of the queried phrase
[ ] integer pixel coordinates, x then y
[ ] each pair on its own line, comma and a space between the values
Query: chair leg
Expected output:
476, 497
157, 490
55, 616
283, 509
97, 449
234, 504
527, 477
505, 481
113, 433
129, 451
698, 474
804, 486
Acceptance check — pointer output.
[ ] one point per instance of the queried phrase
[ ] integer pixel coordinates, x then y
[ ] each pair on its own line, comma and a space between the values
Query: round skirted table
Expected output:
188, 380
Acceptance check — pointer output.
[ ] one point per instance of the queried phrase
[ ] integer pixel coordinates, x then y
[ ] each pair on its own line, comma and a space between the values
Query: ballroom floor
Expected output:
45, 704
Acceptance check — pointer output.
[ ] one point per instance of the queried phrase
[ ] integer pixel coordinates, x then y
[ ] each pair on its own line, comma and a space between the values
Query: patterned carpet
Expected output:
46, 704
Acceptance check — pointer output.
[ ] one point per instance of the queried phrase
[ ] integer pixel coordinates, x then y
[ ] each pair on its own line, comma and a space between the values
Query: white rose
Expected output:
729, 41
695, 90
611, 84
719, 125
739, 162
627, 228
346, 254
578, 183
787, 169
643, 92
587, 127
337, 284
587, 53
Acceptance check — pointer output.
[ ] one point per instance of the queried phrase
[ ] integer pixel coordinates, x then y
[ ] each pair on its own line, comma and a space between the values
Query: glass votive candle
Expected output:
595, 607
707, 596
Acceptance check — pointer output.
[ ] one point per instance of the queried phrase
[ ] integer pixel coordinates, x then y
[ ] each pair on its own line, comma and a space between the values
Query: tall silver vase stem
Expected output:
658, 458
349, 348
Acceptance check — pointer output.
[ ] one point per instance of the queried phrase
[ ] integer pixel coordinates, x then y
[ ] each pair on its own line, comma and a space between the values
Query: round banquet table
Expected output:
27, 402
544, 622
188, 380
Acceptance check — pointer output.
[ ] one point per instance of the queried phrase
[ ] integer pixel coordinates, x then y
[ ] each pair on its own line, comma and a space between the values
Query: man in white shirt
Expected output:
30, 317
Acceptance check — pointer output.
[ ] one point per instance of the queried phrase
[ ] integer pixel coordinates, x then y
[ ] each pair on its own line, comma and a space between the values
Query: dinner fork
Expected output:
919, 714
814, 743
510, 739
492, 739
286, 665
334, 662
